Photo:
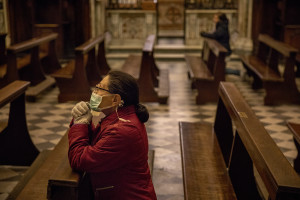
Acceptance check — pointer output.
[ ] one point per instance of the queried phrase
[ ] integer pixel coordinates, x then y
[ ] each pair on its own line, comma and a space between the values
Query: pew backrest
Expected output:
29, 44
14, 63
271, 51
213, 54
12, 91
283, 48
280, 179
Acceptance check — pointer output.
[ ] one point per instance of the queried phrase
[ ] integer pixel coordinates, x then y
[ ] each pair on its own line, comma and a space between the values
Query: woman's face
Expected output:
216, 18
102, 90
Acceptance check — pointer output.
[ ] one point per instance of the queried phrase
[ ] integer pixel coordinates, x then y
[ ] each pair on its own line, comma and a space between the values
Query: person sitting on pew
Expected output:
221, 34
113, 151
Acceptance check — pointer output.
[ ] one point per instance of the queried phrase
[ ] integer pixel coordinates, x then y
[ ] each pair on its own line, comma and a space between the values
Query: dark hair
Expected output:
126, 86
222, 17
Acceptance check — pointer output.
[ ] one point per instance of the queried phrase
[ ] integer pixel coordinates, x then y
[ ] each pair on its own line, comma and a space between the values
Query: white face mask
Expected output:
95, 102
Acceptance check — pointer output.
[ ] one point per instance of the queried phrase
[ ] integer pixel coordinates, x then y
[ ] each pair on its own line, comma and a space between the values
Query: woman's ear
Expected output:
117, 100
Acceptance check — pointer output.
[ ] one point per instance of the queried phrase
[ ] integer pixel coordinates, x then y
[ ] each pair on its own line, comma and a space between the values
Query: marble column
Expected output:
243, 40
5, 23
92, 17
97, 17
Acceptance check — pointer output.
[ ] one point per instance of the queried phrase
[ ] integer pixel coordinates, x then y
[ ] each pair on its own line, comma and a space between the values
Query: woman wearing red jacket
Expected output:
113, 149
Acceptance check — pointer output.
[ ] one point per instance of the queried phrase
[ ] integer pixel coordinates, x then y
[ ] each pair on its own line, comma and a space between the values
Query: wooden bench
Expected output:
36, 187
295, 129
56, 180
16, 147
264, 68
28, 175
31, 67
75, 79
208, 148
153, 83
207, 71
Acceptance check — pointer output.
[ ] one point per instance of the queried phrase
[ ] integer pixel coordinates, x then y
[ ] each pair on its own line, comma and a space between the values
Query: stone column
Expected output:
97, 17
244, 41
92, 17
100, 16
191, 29
6, 23
150, 18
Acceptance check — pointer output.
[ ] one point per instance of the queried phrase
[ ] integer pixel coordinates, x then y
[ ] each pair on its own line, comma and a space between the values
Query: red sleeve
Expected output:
112, 151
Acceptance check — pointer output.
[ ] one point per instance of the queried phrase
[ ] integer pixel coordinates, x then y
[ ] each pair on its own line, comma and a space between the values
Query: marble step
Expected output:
157, 56
164, 48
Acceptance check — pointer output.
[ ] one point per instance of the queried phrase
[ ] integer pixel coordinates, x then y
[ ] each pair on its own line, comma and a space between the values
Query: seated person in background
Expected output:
221, 34
113, 151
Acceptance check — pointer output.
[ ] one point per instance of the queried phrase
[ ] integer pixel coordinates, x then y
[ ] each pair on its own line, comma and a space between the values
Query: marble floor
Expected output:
48, 120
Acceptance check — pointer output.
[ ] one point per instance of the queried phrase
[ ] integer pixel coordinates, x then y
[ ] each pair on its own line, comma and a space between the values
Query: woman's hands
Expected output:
81, 113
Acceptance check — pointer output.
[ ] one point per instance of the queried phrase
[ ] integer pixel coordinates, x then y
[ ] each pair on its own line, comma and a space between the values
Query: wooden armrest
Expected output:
12, 91
90, 44
28, 44
284, 48
295, 129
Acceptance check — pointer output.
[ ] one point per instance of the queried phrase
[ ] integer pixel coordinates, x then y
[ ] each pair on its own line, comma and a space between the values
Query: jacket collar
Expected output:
113, 117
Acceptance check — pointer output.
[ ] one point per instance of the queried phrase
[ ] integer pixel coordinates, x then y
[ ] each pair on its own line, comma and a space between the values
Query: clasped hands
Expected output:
81, 113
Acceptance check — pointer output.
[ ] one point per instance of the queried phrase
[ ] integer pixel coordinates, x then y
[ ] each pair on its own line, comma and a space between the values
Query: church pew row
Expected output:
295, 129
32, 66
54, 178
218, 164
207, 71
75, 79
16, 147
153, 83
280, 86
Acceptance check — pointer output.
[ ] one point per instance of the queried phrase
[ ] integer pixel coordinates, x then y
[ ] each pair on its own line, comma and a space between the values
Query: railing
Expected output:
132, 4
211, 4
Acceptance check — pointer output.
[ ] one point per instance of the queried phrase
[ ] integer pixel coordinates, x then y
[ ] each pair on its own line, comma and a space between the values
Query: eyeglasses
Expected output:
99, 88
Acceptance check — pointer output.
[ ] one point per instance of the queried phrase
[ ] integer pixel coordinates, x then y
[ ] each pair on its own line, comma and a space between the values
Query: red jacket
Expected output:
115, 154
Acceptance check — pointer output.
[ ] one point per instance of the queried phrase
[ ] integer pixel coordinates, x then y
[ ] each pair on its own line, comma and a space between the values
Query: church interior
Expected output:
53, 52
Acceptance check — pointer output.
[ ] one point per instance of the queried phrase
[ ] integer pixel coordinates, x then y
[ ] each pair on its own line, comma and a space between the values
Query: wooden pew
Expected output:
204, 170
31, 67
28, 175
251, 147
16, 147
153, 83
55, 179
36, 187
264, 68
75, 79
207, 71
295, 129
65, 183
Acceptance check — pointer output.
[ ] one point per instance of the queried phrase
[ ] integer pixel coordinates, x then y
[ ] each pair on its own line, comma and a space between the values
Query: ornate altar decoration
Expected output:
130, 27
